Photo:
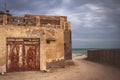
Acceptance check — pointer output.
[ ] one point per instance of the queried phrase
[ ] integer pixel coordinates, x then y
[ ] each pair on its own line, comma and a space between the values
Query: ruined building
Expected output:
34, 42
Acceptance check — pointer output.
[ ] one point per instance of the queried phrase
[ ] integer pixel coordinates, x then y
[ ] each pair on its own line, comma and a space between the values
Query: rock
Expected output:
3, 73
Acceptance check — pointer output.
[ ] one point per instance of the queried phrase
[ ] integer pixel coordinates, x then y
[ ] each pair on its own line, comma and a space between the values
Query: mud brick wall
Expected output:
110, 56
54, 33
21, 21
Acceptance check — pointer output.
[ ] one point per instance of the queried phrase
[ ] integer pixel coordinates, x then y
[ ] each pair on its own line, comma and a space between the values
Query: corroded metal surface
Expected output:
22, 54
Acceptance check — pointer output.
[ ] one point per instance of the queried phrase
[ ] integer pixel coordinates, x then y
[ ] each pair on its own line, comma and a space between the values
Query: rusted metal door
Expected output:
23, 54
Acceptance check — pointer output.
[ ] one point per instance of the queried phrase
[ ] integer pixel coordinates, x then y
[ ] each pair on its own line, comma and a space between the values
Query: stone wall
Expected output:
68, 42
56, 64
35, 20
49, 51
110, 56
21, 21
18, 32
53, 37
55, 47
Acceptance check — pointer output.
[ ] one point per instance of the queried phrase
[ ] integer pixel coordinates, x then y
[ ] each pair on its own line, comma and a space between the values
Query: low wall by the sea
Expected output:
109, 56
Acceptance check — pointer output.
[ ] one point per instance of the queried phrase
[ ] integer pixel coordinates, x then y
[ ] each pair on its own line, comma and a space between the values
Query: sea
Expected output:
80, 51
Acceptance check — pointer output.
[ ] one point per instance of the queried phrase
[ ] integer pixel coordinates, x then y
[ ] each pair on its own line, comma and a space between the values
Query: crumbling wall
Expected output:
55, 47
54, 33
56, 64
21, 21
35, 20
21, 32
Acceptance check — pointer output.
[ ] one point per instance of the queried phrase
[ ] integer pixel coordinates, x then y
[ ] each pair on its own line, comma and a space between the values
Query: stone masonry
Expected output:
34, 42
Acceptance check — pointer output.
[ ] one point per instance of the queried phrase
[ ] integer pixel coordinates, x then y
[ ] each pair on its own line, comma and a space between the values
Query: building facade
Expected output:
34, 42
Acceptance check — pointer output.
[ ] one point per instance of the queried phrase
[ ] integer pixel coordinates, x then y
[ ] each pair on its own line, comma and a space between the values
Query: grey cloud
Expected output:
39, 6
98, 19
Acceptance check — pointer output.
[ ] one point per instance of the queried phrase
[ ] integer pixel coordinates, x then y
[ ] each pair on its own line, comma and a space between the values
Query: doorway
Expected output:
23, 54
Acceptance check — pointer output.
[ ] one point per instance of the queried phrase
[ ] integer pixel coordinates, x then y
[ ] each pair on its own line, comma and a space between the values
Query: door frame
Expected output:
36, 40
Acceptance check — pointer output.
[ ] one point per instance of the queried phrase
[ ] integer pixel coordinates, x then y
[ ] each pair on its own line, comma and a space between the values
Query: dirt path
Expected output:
83, 70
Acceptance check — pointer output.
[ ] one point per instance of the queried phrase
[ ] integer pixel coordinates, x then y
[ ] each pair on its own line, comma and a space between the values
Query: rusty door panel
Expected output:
31, 57
23, 55
14, 56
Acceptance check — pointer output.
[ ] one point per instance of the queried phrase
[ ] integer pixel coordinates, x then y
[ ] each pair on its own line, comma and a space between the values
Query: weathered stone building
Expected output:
34, 42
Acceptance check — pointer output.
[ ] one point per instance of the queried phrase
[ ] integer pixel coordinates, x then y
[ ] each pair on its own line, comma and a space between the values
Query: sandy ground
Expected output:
82, 70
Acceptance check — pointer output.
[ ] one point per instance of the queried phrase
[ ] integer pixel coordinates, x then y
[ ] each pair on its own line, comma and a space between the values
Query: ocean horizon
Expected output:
79, 51
83, 51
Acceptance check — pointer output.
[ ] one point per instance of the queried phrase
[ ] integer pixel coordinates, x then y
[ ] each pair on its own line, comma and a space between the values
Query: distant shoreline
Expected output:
93, 48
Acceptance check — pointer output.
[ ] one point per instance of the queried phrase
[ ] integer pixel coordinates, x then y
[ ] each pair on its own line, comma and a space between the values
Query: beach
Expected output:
82, 70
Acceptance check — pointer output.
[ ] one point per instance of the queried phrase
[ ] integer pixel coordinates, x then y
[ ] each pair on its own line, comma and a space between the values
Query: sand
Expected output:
82, 70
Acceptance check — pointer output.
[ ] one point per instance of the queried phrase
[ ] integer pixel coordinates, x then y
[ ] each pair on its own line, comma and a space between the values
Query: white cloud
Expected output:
93, 6
66, 1
59, 11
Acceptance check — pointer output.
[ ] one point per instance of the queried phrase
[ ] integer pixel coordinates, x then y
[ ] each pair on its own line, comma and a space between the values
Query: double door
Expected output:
23, 54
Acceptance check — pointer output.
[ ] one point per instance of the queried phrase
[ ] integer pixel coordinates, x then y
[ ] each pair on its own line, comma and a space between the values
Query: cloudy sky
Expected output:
95, 23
